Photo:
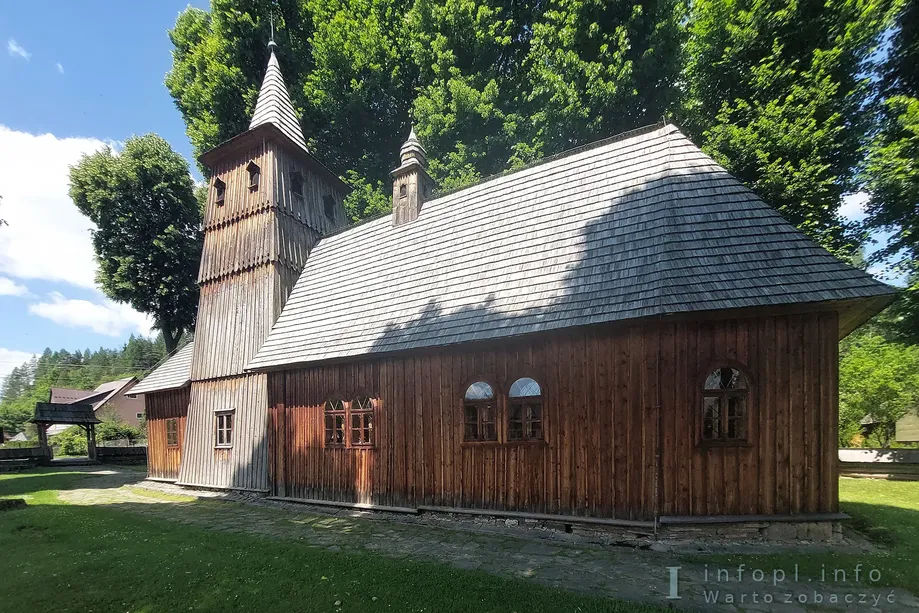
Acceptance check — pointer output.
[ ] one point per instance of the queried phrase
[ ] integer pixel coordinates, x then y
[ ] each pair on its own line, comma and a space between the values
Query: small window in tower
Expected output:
220, 189
328, 202
403, 191
296, 183
254, 175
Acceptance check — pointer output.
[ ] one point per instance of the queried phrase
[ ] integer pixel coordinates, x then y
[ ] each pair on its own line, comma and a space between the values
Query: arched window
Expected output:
335, 415
724, 406
479, 413
524, 411
361, 421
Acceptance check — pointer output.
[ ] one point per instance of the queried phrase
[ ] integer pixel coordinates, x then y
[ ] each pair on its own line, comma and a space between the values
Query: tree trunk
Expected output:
171, 340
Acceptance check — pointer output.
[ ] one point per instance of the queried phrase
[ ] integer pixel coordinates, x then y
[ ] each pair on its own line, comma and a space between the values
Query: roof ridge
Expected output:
558, 156
511, 171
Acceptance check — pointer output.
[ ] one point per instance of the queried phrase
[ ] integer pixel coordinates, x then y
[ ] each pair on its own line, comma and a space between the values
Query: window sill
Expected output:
527, 443
222, 446
482, 443
349, 447
725, 444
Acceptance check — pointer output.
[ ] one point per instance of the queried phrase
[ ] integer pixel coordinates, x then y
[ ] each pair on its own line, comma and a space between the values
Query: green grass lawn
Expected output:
60, 557
885, 511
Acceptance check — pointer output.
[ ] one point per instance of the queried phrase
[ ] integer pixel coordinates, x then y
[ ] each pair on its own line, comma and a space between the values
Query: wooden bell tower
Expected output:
269, 203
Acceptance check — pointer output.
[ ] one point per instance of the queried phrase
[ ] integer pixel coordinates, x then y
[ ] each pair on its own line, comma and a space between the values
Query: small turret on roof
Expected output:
412, 185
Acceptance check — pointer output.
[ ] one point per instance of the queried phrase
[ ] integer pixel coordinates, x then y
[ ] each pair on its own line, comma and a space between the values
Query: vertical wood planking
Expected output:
163, 461
604, 394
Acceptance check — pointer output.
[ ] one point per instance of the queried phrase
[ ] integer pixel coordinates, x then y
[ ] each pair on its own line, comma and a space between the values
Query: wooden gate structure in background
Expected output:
48, 414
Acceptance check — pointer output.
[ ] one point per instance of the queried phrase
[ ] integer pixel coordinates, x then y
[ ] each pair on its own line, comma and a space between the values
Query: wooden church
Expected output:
621, 333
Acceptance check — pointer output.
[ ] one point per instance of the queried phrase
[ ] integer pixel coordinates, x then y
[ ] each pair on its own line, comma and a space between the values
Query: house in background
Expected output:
908, 428
114, 399
623, 332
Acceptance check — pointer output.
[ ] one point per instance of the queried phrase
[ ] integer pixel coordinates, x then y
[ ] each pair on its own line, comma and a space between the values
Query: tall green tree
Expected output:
599, 68
775, 93
345, 68
357, 97
892, 168
877, 378
218, 61
148, 237
470, 107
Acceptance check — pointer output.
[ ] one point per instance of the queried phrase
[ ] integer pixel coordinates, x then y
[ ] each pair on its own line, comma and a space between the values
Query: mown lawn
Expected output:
885, 511
59, 557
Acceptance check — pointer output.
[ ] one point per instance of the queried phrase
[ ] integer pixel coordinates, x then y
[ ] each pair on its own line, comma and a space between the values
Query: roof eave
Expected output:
155, 390
853, 313
269, 131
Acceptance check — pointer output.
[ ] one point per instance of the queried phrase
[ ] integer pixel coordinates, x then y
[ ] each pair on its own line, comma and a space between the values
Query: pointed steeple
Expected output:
274, 105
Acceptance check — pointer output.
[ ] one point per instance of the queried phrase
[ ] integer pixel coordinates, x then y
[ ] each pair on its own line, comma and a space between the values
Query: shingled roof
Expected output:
48, 413
641, 225
274, 105
171, 374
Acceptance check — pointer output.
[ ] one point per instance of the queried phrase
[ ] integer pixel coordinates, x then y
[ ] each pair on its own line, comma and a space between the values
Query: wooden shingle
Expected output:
638, 226
171, 374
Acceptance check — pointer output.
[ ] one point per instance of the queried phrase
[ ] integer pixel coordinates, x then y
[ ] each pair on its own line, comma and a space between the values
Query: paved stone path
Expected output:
618, 572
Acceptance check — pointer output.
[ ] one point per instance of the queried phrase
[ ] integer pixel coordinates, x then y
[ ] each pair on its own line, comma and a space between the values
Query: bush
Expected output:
19, 444
114, 430
71, 441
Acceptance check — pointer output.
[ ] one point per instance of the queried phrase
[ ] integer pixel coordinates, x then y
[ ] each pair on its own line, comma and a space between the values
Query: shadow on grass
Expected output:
888, 525
43, 479
72, 558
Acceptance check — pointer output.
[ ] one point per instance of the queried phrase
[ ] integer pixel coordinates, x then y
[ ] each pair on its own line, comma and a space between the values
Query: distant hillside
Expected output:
31, 382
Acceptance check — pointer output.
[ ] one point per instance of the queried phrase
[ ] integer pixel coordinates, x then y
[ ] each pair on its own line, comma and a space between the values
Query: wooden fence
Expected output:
22, 453
122, 455
893, 464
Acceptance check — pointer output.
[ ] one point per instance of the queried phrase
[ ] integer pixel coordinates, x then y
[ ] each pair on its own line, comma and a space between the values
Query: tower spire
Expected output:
274, 105
412, 185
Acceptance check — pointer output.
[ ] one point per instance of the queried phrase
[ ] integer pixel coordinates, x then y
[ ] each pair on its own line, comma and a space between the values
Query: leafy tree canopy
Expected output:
877, 379
148, 237
775, 92
891, 172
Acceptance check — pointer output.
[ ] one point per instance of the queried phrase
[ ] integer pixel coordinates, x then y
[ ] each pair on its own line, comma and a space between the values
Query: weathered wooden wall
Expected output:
255, 246
790, 465
163, 461
242, 466
622, 420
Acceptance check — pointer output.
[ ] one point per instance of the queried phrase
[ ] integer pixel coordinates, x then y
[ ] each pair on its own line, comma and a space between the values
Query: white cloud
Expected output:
10, 359
106, 317
47, 237
60, 68
853, 206
15, 49
8, 287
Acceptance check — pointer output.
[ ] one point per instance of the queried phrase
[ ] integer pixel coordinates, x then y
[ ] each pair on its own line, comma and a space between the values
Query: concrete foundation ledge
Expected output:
740, 519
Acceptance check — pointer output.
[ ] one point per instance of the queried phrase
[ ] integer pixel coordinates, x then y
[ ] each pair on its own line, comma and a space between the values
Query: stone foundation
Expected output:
708, 536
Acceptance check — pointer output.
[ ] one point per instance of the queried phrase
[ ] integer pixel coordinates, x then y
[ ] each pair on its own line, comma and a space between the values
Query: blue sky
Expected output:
75, 75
